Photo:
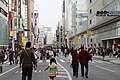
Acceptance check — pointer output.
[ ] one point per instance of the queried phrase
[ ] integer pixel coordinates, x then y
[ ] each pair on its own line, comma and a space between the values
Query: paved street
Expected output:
98, 70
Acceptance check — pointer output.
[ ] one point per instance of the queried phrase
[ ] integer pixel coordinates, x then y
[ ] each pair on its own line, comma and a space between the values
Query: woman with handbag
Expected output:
53, 70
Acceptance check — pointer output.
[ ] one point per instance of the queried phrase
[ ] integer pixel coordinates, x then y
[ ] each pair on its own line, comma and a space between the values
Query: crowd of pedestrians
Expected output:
28, 57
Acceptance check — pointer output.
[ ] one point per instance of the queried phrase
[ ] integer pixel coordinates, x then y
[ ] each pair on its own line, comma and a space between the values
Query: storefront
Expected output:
107, 35
3, 32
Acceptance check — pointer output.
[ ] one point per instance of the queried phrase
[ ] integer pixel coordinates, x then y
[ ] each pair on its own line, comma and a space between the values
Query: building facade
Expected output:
105, 29
4, 23
76, 22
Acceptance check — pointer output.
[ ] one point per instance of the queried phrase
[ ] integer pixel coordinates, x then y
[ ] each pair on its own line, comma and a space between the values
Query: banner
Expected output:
76, 38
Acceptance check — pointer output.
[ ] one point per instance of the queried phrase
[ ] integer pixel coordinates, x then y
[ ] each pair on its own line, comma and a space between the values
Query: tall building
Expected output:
4, 23
76, 21
104, 27
43, 35
49, 38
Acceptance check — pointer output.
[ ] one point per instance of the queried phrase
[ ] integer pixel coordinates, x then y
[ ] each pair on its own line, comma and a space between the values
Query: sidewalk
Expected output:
109, 59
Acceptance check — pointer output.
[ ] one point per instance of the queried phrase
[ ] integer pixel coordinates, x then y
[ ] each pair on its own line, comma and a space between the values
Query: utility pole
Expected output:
29, 19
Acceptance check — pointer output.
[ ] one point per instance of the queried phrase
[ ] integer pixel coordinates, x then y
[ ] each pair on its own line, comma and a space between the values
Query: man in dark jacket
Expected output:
84, 57
27, 61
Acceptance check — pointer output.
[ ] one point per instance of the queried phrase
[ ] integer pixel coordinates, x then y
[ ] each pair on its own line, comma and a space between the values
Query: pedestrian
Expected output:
53, 70
27, 62
75, 62
11, 56
1, 56
36, 55
84, 58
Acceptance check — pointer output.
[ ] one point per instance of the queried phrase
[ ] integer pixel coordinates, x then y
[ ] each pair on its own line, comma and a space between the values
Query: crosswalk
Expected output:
61, 72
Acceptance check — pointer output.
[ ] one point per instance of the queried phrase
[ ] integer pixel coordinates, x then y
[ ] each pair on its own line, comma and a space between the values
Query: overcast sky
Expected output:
50, 12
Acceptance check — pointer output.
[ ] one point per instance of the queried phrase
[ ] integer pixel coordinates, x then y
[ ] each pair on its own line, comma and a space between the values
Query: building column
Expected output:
114, 41
107, 43
29, 20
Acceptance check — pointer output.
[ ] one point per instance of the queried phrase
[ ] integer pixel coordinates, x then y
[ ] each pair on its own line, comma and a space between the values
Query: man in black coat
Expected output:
27, 61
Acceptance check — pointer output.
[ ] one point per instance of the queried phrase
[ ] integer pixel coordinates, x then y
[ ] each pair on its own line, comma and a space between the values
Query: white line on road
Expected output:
107, 62
8, 70
105, 68
39, 70
61, 72
69, 76
47, 60
16, 71
98, 61
61, 76
20, 71
62, 60
40, 61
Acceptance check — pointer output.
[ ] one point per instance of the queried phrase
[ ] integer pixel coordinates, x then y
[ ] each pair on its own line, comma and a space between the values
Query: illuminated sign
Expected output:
108, 13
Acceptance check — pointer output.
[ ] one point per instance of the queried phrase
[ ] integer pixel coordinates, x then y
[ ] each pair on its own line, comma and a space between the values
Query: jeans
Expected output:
27, 71
82, 69
75, 68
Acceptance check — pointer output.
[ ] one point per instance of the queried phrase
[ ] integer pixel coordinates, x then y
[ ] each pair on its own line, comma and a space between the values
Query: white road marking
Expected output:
69, 76
61, 76
62, 73
62, 60
9, 70
35, 71
105, 68
40, 61
107, 62
6, 62
98, 61
92, 62
20, 71
47, 60
61, 70
4, 65
39, 70
16, 71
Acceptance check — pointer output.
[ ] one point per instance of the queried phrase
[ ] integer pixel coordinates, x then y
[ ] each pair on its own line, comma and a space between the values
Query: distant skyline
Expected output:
50, 13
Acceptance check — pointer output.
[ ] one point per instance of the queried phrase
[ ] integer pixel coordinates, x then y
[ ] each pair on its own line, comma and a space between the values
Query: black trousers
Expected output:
11, 60
75, 68
82, 69
27, 71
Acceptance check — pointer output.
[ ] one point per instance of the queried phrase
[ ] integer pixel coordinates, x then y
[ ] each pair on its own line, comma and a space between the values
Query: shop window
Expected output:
90, 11
61, 39
90, 1
90, 40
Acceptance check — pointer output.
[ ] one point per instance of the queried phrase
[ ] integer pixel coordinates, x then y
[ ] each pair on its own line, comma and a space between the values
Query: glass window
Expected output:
90, 11
3, 32
90, 1
90, 21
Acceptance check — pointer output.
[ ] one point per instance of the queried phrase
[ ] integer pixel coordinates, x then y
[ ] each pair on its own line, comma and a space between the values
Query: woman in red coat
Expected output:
75, 62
